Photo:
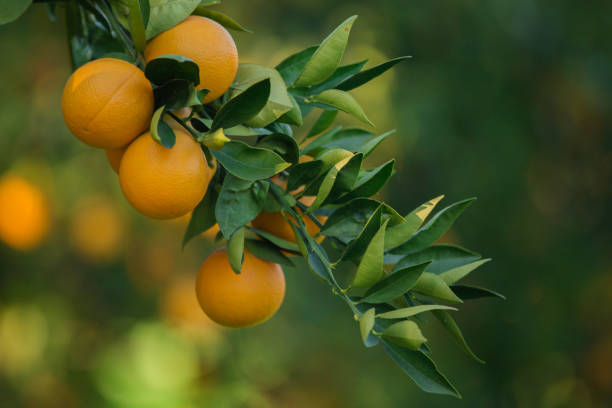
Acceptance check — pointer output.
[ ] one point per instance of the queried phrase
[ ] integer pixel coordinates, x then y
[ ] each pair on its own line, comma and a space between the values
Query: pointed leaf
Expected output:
451, 326
239, 202
161, 132
243, 106
401, 233
444, 257
395, 285
137, 23
285, 146
349, 139
468, 292
340, 75
235, 250
358, 246
343, 101
456, 274
432, 285
371, 182
203, 216
327, 57
323, 122
328, 184
412, 311
249, 163
369, 147
220, 18
267, 251
279, 242
370, 269
294, 116
291, 66
369, 74
406, 334
366, 324
302, 173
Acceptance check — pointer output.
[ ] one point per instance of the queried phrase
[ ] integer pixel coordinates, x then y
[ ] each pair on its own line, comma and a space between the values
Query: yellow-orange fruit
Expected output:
24, 213
239, 300
164, 183
107, 103
208, 44
114, 157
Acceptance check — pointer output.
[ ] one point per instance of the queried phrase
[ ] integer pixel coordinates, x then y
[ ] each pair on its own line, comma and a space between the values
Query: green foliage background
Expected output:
507, 101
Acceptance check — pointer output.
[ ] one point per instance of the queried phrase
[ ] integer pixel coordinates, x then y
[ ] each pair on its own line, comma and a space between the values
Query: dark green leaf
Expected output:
340, 75
456, 274
249, 163
203, 216
294, 116
421, 369
176, 94
468, 292
267, 251
444, 257
328, 183
324, 121
291, 66
369, 147
371, 182
279, 242
239, 202
302, 173
235, 250
168, 67
161, 132
451, 326
220, 18
395, 285
321, 140
357, 247
242, 107
369, 74
285, 146
434, 286
346, 178
406, 312
348, 139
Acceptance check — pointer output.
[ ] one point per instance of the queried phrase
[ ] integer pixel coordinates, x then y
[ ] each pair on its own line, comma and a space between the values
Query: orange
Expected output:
114, 157
208, 44
107, 103
24, 213
239, 300
164, 183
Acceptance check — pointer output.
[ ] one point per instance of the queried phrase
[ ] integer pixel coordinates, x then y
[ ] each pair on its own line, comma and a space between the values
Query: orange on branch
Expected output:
107, 103
164, 183
239, 300
208, 44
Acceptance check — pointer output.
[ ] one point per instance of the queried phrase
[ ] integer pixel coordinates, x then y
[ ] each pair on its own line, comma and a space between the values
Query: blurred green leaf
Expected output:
435, 228
366, 324
454, 275
235, 250
10, 10
406, 334
327, 57
342, 100
220, 18
163, 69
203, 216
370, 269
243, 106
406, 312
238, 203
434, 286
451, 326
444, 257
324, 121
369, 74
267, 251
469, 292
161, 132
421, 369
291, 66
278, 102
395, 285
249, 163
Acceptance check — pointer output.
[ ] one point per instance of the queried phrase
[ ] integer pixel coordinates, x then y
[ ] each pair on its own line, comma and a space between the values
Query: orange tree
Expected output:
158, 84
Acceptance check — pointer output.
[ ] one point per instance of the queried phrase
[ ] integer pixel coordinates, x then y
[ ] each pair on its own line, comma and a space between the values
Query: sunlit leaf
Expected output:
342, 100
456, 274
401, 233
406, 312
248, 162
370, 269
433, 285
406, 334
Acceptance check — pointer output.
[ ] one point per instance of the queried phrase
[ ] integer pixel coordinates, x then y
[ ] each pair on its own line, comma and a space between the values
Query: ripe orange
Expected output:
114, 157
107, 103
24, 213
239, 300
208, 44
164, 183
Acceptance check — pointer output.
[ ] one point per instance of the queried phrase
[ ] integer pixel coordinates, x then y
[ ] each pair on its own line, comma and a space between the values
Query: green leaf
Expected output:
401, 233
164, 14
395, 285
279, 242
302, 173
327, 56
207, 3
176, 94
203, 216
444, 257
349, 139
220, 18
291, 66
454, 275
369, 74
341, 100
435, 228
137, 22
468, 292
358, 246
340, 75
369, 147
451, 326
267, 251
328, 183
239, 202
278, 102
294, 116
371, 182
434, 286
161, 132
346, 178
324, 121
366, 324
285, 146
168, 67
421, 369
249, 163
235, 250
406, 312
370, 269
406, 334
10, 10
243, 106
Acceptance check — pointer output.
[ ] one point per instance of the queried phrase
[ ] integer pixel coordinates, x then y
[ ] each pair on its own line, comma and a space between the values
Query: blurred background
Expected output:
508, 101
